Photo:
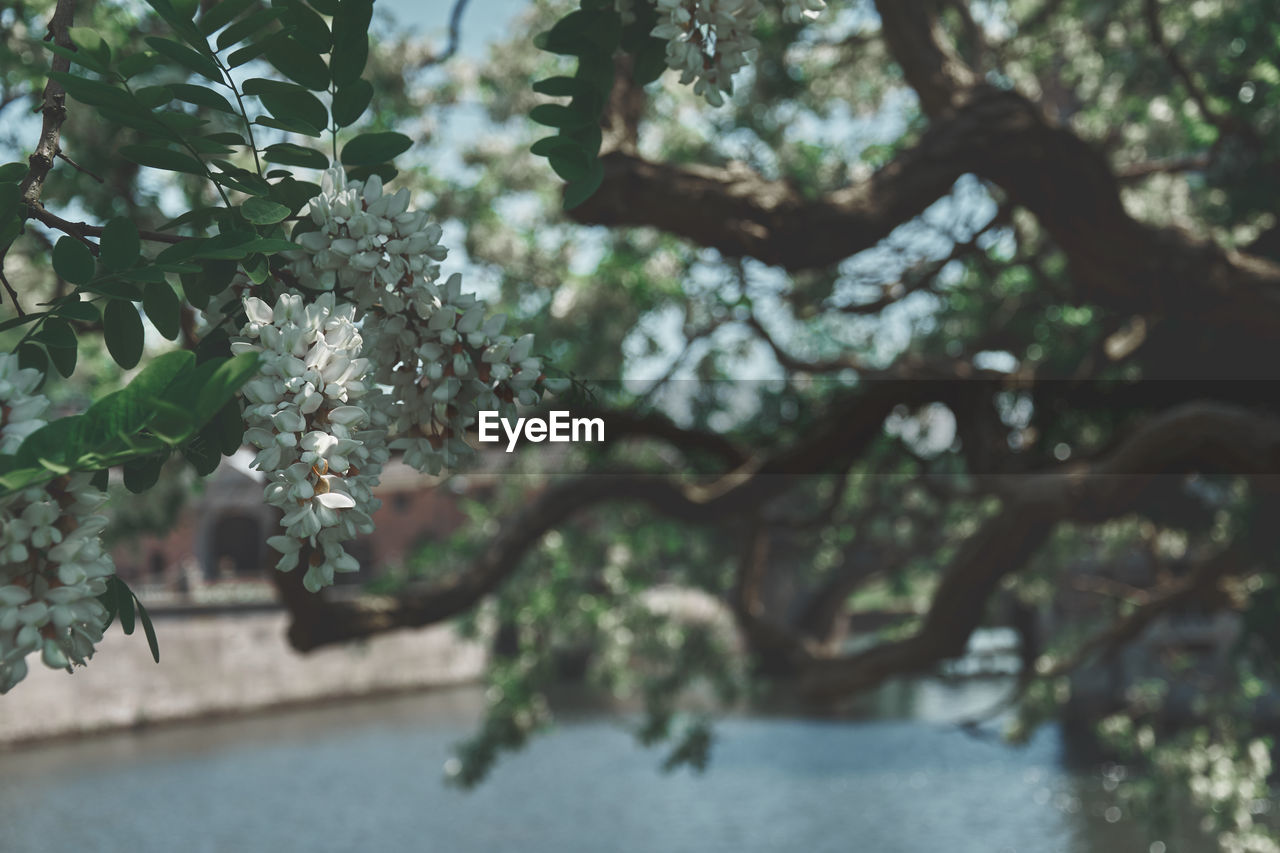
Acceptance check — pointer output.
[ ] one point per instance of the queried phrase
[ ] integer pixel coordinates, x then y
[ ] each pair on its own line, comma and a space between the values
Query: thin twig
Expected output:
83, 230
12, 296
77, 166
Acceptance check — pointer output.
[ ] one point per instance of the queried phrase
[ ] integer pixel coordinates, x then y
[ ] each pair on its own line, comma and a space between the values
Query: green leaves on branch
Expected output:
166, 405
120, 602
591, 34
289, 102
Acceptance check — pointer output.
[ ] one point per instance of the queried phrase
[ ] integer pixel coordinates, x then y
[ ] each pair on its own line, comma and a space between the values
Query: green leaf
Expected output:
299, 63
222, 385
72, 260
11, 173
259, 211
109, 600
220, 14
94, 93
288, 154
80, 57
226, 137
582, 32
240, 179
74, 309
57, 333
180, 22
142, 473
203, 455
163, 309
213, 278
597, 71
252, 25
650, 61
89, 41
228, 428
289, 101
138, 63
384, 171
309, 29
557, 115
126, 412
201, 96
254, 50
294, 194
350, 41
212, 350
579, 191
60, 340
162, 158
186, 57
53, 445
148, 630
122, 329
549, 145
350, 102
207, 148
565, 86
124, 606
120, 288
120, 245
153, 96
571, 164
290, 126
370, 149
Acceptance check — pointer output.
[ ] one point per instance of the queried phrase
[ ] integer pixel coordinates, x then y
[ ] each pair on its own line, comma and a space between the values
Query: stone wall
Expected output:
225, 662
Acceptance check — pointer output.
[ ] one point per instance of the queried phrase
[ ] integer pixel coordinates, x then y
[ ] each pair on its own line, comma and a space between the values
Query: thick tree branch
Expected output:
1000, 136
1193, 437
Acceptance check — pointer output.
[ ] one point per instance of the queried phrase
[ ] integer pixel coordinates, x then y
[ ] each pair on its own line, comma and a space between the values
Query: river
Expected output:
366, 776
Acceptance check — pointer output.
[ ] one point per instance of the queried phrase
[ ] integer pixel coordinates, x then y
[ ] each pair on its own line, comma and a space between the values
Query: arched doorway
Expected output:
235, 548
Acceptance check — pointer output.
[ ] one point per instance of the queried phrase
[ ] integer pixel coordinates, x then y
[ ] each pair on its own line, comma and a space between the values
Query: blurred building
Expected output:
216, 551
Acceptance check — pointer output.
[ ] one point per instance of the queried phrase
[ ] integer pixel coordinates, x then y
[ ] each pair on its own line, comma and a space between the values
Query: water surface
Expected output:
367, 777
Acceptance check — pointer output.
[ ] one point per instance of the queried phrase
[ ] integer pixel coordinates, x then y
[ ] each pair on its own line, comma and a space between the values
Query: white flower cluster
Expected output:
316, 447
402, 363
708, 41
52, 564
438, 357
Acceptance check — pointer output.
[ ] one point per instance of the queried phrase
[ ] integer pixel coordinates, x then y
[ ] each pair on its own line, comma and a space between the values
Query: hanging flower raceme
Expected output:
386, 359
708, 41
430, 345
52, 564
320, 451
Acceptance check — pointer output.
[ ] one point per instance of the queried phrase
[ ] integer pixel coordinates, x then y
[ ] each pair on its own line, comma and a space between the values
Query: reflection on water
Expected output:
366, 777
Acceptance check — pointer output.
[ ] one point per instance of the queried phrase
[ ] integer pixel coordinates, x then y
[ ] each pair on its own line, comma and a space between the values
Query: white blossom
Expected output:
52, 563
708, 41
319, 449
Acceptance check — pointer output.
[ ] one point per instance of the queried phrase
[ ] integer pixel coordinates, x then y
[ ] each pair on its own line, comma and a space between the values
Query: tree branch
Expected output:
54, 108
